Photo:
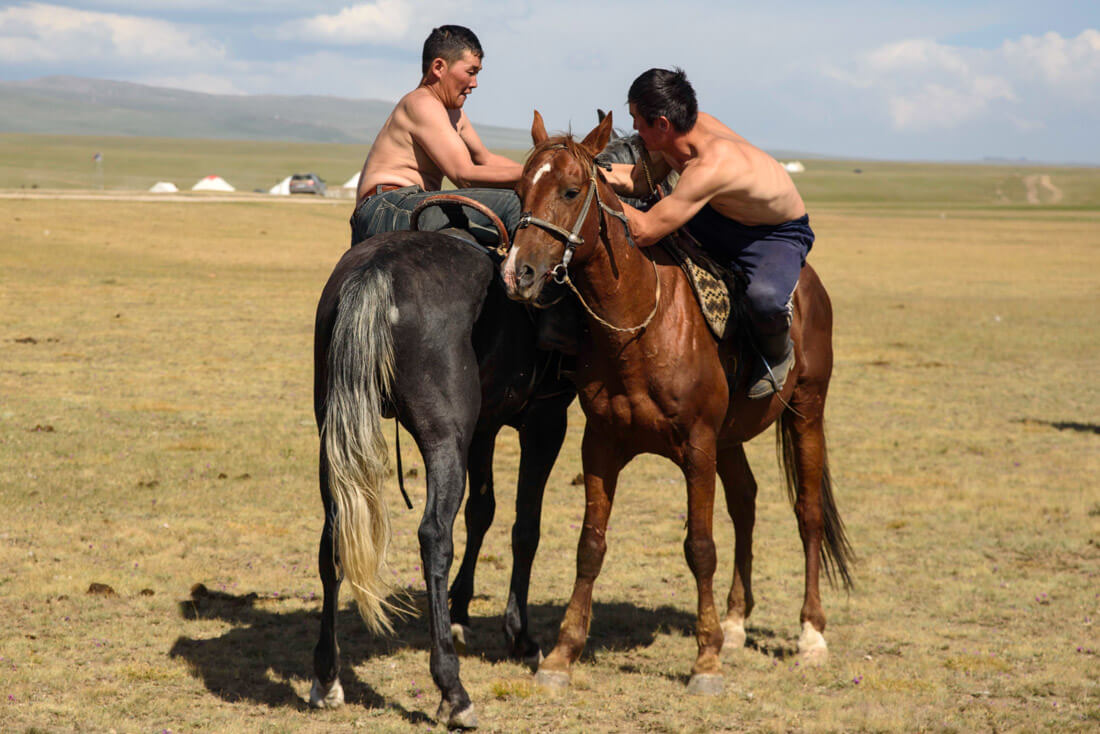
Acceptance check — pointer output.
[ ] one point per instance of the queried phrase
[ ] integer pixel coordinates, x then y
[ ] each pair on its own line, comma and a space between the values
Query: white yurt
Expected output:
164, 187
212, 183
353, 182
282, 188
794, 167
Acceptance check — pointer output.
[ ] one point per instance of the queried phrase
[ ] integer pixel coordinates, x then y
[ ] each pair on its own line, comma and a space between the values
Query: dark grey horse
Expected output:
416, 324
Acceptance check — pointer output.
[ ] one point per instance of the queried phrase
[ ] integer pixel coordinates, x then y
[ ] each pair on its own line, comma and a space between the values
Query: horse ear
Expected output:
600, 114
596, 140
538, 129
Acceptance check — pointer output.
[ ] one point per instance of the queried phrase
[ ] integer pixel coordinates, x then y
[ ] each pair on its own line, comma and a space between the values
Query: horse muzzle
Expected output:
523, 281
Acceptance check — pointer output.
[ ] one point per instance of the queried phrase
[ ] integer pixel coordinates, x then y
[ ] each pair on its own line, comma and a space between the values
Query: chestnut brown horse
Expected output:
652, 379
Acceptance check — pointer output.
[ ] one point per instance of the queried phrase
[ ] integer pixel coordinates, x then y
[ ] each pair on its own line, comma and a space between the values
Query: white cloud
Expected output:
43, 33
380, 21
925, 85
1060, 62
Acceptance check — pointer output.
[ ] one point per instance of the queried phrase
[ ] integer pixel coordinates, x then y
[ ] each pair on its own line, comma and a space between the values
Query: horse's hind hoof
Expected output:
463, 719
705, 684
460, 633
812, 649
333, 698
554, 680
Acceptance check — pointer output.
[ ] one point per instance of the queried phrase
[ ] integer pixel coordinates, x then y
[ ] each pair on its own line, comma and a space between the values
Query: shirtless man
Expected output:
427, 137
734, 198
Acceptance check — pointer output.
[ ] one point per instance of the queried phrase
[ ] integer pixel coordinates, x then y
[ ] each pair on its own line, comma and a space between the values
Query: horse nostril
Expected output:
526, 275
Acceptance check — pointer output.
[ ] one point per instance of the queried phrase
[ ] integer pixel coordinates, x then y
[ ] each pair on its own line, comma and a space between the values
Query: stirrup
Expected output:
773, 378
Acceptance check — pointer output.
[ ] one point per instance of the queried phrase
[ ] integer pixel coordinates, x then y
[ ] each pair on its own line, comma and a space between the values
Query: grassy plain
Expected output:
156, 433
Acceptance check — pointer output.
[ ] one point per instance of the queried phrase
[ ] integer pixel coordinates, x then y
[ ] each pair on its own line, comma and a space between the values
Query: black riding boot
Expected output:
777, 358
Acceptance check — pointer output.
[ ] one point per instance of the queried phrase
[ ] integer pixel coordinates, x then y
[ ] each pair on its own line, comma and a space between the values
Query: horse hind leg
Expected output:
480, 510
326, 691
802, 443
740, 490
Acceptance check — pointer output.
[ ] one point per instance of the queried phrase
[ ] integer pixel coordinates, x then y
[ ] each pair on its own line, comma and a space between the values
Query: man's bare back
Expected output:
396, 158
755, 189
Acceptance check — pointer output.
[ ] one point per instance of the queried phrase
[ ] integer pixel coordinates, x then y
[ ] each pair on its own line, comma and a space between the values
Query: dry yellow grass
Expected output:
156, 432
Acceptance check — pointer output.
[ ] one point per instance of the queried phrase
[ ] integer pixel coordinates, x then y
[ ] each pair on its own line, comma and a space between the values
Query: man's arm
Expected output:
698, 185
631, 180
431, 128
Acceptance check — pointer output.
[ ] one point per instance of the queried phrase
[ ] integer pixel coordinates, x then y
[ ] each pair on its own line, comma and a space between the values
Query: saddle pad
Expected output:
710, 289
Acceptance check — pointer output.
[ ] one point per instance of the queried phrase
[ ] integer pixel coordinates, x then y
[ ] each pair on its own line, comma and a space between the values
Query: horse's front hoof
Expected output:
812, 649
733, 634
705, 684
319, 698
465, 718
554, 680
534, 660
460, 633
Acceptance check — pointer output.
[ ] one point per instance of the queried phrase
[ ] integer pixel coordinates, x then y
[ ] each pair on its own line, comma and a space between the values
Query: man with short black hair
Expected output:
427, 137
737, 200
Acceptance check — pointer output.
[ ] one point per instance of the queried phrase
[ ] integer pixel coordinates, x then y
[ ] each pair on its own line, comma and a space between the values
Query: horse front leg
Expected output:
480, 509
699, 472
326, 691
541, 434
602, 464
740, 491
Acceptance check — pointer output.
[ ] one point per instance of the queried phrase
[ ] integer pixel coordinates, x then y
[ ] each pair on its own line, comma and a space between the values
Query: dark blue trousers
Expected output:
771, 257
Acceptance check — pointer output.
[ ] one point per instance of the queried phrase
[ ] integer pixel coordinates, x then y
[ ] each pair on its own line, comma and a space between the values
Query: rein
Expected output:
573, 240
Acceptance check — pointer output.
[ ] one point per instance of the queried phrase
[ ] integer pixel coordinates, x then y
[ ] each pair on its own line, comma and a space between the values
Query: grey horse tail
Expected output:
360, 371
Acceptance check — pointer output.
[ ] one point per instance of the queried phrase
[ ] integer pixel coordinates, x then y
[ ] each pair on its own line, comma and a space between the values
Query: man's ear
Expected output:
437, 68
538, 129
596, 140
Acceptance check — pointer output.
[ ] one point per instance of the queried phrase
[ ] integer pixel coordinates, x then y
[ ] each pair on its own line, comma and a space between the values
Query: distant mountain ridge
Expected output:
65, 105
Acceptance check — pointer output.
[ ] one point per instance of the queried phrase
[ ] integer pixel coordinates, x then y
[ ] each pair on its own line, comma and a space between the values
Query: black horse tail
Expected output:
360, 372
836, 551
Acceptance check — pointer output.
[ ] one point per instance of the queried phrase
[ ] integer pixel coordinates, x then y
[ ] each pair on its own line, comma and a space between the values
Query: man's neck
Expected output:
682, 147
434, 89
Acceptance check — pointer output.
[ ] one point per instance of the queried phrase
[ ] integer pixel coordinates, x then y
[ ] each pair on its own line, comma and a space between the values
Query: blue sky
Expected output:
899, 80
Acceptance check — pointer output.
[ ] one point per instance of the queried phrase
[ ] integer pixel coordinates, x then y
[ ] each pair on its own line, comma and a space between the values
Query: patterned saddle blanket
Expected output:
708, 279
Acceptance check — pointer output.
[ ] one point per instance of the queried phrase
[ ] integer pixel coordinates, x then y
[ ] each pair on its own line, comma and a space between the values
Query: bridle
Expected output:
560, 272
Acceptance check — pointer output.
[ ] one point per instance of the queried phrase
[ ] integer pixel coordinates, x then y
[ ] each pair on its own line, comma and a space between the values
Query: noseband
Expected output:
573, 239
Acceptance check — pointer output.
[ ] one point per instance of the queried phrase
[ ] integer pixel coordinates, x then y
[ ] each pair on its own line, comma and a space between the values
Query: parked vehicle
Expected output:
307, 183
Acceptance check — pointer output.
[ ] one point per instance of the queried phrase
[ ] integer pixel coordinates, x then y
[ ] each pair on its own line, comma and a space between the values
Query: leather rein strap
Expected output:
504, 242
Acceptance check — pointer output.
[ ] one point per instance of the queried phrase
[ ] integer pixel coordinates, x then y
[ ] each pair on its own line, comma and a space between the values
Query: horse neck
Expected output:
617, 281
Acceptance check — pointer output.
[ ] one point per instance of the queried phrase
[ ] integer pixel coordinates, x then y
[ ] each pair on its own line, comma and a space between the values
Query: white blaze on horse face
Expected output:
538, 174
509, 271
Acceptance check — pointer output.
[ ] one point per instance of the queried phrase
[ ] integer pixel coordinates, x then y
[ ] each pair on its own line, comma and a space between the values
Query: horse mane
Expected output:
567, 142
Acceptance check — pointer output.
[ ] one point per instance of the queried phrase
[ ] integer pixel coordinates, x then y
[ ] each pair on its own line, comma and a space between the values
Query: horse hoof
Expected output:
733, 632
319, 698
464, 719
812, 649
554, 680
459, 634
705, 684
533, 661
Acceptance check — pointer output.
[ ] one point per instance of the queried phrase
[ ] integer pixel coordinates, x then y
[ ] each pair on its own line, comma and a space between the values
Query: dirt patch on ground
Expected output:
1041, 190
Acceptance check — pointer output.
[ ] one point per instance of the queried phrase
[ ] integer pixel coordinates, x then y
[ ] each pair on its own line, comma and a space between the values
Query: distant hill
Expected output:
66, 105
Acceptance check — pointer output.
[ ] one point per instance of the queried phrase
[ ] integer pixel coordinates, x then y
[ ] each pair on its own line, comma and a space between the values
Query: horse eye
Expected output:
571, 193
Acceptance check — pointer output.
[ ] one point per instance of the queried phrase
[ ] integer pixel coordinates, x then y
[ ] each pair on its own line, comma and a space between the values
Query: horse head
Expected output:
559, 223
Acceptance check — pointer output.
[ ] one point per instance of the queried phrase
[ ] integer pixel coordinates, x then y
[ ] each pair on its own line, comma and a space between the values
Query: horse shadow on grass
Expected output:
267, 649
